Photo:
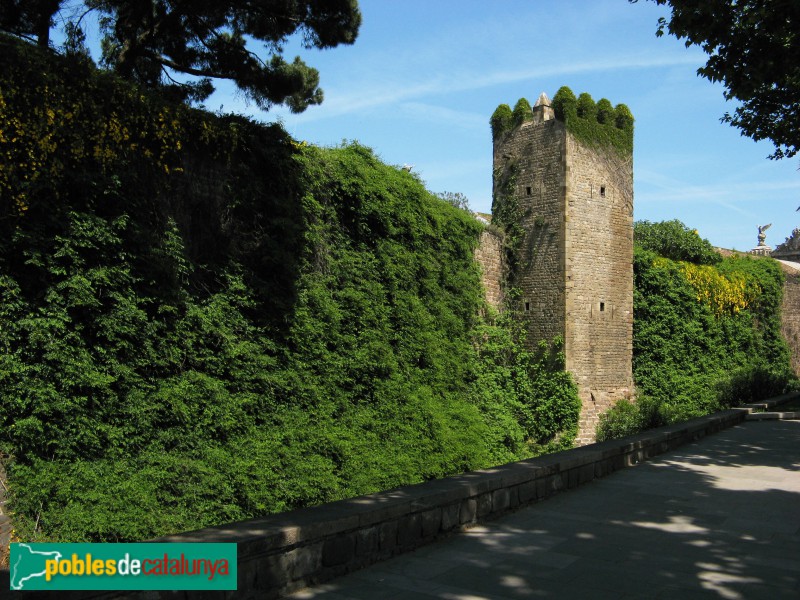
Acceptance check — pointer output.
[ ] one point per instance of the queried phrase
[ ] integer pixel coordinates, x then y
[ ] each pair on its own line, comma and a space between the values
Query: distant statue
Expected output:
761, 235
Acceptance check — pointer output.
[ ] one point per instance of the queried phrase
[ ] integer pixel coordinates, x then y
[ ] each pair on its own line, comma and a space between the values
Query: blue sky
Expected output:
424, 76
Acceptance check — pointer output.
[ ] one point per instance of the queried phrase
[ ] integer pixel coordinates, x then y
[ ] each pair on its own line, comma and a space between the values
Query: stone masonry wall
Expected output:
490, 255
598, 341
575, 267
790, 314
534, 156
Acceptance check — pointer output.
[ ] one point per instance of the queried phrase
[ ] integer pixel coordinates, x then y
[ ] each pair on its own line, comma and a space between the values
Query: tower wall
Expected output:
533, 157
575, 260
598, 340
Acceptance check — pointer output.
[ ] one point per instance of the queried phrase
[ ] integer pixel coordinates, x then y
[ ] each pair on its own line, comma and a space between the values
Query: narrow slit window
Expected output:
602, 307
602, 191
527, 306
529, 190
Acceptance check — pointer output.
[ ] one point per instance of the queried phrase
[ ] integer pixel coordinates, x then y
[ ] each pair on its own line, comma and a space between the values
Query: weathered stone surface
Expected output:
527, 492
501, 500
450, 517
409, 530
388, 535
576, 267
790, 311
490, 255
368, 541
304, 561
484, 505
431, 522
469, 510
339, 550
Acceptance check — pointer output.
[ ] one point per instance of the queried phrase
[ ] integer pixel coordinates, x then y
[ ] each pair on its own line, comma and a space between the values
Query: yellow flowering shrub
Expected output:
725, 294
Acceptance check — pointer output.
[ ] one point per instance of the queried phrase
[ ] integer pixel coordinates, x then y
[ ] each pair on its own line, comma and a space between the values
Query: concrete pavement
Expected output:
719, 518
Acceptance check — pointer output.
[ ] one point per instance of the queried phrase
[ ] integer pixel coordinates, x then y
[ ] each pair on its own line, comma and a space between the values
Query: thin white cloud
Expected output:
342, 102
440, 114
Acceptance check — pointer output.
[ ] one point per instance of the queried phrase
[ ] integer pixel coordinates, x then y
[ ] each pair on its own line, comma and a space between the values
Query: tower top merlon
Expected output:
543, 109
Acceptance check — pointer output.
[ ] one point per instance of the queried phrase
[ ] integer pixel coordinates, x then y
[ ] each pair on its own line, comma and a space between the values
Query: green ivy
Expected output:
502, 120
507, 214
260, 326
522, 112
689, 360
596, 125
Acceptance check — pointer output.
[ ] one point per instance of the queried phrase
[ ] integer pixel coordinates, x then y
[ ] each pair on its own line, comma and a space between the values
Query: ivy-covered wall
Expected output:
707, 330
203, 320
563, 191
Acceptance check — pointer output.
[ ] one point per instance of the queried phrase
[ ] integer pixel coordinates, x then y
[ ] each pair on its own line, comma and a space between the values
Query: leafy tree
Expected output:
29, 18
754, 50
154, 41
457, 199
674, 240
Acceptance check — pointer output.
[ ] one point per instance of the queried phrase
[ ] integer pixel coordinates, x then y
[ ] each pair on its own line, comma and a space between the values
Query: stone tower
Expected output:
568, 202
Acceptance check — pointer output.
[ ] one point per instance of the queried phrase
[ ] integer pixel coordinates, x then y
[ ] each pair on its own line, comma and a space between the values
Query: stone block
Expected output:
431, 522
527, 492
387, 535
339, 550
501, 501
450, 517
409, 530
484, 505
541, 488
571, 478
271, 572
468, 511
367, 541
304, 561
585, 474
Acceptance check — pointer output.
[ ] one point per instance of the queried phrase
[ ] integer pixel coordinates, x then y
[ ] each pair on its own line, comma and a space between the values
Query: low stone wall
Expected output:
284, 552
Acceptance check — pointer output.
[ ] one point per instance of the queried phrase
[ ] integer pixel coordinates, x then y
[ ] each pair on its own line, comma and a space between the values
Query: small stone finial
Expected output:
543, 109
543, 100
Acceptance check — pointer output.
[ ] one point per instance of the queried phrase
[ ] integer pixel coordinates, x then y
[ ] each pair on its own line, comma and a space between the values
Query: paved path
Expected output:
715, 519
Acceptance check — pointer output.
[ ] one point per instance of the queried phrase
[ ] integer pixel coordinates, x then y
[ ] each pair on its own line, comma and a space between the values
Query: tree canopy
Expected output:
754, 50
158, 43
